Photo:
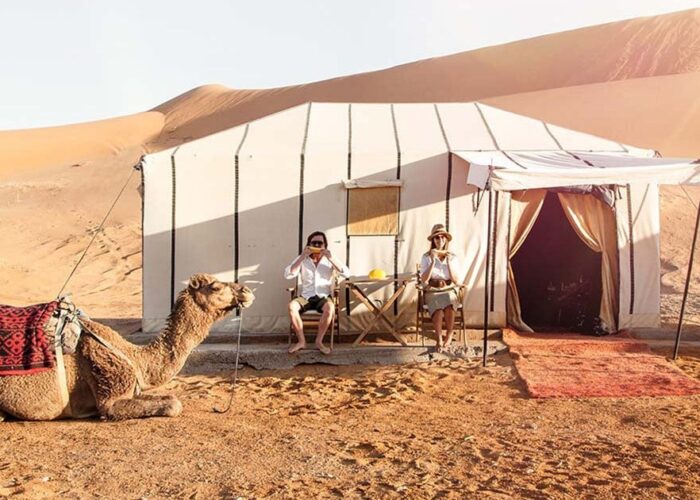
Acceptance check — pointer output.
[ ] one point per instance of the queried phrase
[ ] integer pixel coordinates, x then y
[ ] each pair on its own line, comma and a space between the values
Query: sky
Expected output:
81, 60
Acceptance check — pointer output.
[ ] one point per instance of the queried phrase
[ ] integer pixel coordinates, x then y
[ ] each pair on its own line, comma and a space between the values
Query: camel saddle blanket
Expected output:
25, 345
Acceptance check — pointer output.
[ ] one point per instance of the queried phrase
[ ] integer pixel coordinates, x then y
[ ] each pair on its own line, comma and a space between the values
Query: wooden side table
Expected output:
378, 312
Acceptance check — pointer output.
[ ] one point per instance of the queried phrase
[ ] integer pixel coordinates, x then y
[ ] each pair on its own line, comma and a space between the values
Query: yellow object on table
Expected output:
377, 274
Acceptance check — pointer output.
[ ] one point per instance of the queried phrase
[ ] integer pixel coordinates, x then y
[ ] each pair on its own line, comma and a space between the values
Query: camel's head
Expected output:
217, 297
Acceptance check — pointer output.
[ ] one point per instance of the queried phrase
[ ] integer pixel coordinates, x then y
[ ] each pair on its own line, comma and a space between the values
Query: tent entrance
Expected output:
558, 276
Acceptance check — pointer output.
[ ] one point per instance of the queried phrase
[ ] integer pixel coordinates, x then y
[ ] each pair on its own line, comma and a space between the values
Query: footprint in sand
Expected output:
651, 483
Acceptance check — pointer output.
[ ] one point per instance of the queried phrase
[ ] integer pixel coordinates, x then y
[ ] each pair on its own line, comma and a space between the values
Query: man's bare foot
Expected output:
438, 347
448, 341
323, 348
297, 347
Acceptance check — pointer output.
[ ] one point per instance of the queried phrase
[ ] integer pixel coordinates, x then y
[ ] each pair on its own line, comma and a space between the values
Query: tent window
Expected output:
373, 211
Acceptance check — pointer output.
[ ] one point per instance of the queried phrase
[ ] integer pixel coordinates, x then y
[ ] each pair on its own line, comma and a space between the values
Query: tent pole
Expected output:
687, 284
486, 280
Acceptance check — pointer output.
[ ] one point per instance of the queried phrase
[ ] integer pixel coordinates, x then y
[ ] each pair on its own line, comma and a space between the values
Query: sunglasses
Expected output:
316, 244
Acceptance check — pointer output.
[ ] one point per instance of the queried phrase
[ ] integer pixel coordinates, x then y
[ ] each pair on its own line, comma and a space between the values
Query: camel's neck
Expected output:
187, 327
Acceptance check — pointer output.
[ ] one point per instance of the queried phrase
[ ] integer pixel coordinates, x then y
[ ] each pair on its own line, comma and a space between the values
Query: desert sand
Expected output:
373, 431
447, 429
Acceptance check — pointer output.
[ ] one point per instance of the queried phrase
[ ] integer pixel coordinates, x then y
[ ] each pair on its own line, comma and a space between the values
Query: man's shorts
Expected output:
314, 303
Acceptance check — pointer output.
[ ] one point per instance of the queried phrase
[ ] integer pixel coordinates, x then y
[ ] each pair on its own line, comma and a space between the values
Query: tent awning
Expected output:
512, 171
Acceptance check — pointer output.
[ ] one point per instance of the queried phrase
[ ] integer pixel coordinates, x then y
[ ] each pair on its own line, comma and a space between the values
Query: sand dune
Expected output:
21, 150
661, 112
636, 48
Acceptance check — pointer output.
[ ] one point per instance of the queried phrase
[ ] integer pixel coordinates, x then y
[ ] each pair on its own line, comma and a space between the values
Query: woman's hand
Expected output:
434, 254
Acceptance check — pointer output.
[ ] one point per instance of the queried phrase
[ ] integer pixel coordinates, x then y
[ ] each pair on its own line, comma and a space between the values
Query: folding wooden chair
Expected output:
424, 323
310, 319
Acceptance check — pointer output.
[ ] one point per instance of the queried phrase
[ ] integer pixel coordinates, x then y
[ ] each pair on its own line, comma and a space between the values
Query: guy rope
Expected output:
235, 369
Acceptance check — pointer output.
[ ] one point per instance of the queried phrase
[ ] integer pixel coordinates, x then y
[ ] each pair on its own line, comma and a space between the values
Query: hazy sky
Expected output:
79, 60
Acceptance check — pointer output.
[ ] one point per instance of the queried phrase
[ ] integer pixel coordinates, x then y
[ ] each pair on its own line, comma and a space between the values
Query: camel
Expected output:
102, 382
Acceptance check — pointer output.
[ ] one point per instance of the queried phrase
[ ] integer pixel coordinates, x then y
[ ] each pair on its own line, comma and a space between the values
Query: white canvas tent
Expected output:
375, 178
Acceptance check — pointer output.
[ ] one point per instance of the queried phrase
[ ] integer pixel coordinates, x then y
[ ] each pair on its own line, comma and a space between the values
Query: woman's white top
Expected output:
441, 271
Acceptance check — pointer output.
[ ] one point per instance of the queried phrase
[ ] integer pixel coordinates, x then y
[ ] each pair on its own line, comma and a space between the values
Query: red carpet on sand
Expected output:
561, 365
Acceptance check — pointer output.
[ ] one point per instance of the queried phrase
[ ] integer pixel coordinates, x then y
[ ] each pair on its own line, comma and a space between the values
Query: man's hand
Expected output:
306, 252
327, 254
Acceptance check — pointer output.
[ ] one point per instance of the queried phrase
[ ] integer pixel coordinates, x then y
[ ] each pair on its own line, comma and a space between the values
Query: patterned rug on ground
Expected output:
567, 365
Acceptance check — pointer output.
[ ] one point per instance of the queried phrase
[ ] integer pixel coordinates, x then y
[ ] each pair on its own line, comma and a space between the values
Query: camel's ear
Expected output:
197, 281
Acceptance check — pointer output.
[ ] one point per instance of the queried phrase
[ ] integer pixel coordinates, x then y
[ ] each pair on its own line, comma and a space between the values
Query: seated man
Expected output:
316, 265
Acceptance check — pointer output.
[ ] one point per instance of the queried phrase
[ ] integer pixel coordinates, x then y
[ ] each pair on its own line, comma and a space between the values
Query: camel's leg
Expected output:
114, 383
141, 407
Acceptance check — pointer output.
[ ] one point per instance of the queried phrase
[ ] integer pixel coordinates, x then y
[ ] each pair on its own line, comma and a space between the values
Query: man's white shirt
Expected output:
315, 280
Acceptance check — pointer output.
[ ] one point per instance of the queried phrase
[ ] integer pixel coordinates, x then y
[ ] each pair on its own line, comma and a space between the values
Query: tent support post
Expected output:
687, 285
486, 280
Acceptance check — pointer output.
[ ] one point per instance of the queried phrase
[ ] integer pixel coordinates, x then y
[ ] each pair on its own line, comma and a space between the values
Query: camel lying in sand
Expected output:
101, 382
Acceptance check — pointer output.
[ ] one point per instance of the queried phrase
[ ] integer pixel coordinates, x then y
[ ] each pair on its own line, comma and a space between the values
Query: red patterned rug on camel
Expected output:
568, 365
24, 346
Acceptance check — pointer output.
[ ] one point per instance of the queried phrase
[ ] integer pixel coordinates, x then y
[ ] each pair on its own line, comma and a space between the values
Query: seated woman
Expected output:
438, 268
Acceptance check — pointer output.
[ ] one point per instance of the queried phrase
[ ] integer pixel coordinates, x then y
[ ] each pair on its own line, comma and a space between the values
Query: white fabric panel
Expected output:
464, 127
517, 132
418, 129
475, 259
572, 140
647, 256
374, 154
424, 168
269, 214
326, 160
277, 134
156, 240
204, 216
222, 143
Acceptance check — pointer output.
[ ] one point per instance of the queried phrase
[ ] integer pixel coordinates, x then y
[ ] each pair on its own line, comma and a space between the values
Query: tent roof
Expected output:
515, 151
510, 171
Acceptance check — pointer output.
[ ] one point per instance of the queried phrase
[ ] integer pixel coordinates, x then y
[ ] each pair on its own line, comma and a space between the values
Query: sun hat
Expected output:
439, 229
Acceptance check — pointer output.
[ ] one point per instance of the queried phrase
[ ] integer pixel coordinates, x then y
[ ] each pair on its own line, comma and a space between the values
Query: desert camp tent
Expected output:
375, 178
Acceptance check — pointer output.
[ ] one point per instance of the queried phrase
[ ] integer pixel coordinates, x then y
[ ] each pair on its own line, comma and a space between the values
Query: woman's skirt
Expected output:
440, 298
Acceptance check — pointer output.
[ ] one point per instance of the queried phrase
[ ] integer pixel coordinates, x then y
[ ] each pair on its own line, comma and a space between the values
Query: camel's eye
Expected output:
217, 287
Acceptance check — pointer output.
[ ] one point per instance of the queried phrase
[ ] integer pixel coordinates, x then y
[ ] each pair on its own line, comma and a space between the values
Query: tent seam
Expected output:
398, 215
173, 227
301, 178
488, 127
493, 251
449, 167
551, 134
631, 240
347, 209
236, 195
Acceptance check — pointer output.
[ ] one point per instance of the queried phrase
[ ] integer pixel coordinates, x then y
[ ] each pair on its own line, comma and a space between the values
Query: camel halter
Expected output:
235, 369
